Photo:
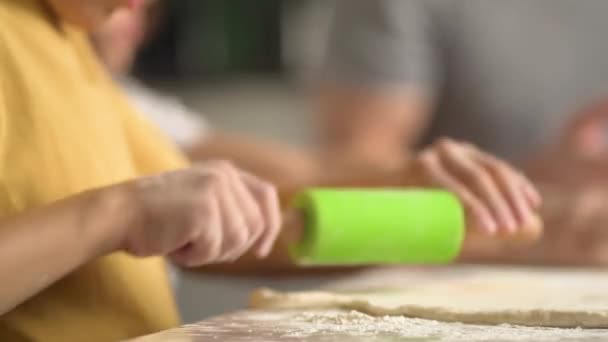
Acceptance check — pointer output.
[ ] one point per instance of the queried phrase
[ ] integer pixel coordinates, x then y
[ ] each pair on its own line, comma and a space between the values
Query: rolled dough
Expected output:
530, 297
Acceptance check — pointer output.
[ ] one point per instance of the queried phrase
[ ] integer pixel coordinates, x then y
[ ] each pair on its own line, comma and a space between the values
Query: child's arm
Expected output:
39, 247
205, 214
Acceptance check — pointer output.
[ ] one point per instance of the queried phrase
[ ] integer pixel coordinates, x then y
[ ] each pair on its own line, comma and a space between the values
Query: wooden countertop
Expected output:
338, 326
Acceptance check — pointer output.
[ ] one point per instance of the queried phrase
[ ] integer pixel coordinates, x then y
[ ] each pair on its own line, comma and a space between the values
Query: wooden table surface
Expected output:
322, 326
335, 325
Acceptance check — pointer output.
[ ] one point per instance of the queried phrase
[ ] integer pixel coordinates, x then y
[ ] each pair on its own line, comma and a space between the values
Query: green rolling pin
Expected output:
363, 227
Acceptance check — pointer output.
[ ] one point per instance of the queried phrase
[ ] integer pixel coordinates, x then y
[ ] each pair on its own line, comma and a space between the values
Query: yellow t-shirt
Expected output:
64, 128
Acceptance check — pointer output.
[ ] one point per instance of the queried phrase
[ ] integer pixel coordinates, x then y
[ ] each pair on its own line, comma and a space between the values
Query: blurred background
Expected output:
243, 64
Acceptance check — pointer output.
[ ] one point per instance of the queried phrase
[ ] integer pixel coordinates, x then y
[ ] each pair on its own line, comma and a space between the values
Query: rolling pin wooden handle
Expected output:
294, 222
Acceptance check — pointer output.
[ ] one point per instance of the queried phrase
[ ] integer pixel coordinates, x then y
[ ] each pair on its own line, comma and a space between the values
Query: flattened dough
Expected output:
556, 298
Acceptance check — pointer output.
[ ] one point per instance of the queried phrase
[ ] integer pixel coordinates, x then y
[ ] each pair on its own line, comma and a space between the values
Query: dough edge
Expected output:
265, 298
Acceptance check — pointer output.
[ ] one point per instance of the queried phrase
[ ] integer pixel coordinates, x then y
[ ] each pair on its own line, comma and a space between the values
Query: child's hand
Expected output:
496, 197
208, 213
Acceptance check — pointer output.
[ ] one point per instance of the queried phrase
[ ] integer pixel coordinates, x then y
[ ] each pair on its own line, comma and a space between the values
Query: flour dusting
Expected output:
354, 323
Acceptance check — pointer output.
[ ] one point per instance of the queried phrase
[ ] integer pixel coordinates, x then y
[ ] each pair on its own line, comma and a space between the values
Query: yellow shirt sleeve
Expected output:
2, 103
4, 198
2, 110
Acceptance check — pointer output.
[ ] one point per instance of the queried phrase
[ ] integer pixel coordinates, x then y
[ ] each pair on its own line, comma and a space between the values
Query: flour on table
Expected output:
554, 298
357, 324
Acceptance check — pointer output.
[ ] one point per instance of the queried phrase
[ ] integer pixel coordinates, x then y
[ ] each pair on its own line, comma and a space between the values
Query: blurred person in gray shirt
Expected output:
523, 79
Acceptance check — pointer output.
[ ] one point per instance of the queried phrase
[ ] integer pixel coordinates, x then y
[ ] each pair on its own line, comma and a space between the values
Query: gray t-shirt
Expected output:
505, 75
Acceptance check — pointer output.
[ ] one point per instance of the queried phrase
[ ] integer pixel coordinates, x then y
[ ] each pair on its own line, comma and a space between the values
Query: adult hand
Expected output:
572, 175
208, 213
575, 232
580, 153
575, 219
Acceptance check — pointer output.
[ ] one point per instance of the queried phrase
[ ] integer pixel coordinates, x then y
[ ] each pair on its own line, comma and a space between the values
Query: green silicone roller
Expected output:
359, 227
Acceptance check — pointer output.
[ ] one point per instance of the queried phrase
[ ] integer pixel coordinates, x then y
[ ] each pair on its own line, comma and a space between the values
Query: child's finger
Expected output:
249, 205
268, 200
462, 164
511, 184
532, 194
531, 191
234, 225
474, 206
207, 246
